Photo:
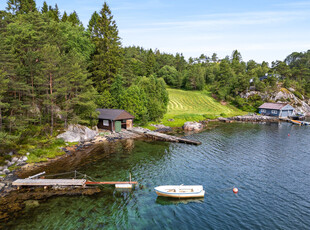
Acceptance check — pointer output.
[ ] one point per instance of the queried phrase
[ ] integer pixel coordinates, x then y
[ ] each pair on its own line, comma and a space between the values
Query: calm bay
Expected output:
268, 163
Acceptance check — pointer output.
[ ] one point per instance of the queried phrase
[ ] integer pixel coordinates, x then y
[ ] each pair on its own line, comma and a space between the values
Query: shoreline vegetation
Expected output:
13, 201
68, 149
55, 72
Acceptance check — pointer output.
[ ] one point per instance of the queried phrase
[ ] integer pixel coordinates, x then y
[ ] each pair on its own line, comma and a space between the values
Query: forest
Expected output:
54, 72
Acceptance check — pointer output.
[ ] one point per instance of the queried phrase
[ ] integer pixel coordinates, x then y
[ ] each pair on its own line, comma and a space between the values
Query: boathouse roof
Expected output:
114, 114
275, 106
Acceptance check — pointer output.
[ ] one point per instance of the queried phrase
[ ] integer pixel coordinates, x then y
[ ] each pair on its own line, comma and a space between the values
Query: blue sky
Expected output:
261, 30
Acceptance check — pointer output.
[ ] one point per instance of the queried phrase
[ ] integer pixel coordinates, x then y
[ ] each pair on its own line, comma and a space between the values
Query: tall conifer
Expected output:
107, 58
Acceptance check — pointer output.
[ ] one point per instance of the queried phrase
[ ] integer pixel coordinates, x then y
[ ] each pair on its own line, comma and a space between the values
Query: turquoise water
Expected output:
270, 168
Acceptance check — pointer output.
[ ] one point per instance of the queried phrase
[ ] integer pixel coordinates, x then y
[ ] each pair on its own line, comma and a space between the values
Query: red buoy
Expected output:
288, 134
235, 190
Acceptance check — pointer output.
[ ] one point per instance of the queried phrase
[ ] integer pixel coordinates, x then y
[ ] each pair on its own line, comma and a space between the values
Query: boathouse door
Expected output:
118, 126
128, 124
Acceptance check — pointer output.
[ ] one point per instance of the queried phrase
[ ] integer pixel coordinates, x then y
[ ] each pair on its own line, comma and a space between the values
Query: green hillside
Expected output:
194, 106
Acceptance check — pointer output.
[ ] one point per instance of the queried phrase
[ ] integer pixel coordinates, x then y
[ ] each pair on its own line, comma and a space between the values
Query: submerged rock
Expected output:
192, 126
32, 203
77, 133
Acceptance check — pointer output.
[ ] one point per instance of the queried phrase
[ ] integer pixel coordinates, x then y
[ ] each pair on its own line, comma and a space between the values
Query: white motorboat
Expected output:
180, 191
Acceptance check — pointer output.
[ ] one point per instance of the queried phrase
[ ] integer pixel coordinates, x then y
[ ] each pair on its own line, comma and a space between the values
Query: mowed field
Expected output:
186, 104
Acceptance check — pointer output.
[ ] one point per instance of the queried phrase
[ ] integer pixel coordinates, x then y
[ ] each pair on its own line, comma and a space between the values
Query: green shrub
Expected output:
297, 94
210, 116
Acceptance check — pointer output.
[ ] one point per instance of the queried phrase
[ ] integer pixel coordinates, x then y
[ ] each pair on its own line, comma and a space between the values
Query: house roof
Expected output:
276, 106
114, 114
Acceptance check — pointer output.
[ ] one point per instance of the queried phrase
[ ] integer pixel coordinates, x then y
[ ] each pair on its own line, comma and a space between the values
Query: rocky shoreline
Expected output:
12, 200
87, 138
252, 118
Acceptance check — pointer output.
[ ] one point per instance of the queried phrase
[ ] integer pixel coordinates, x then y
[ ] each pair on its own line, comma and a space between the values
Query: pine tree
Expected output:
21, 6
107, 58
4, 81
50, 56
150, 63
44, 8
92, 25
74, 19
64, 17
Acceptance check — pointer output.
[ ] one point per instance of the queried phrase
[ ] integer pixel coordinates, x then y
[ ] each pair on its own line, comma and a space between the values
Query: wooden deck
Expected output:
110, 182
163, 137
49, 182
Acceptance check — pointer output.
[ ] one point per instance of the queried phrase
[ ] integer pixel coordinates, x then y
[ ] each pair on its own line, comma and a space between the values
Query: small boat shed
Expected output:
114, 119
276, 109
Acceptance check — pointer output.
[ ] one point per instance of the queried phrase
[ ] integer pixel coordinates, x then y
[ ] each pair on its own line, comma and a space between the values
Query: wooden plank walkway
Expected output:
49, 182
162, 136
110, 182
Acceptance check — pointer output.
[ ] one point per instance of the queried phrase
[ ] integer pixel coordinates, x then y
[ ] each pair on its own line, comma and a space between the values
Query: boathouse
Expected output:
114, 119
276, 109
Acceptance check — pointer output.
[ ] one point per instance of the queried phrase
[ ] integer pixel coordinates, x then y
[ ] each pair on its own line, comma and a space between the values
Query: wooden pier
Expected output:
163, 137
49, 182
34, 181
110, 182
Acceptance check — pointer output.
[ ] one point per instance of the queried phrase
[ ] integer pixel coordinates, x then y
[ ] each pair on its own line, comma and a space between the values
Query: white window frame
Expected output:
105, 123
274, 111
263, 110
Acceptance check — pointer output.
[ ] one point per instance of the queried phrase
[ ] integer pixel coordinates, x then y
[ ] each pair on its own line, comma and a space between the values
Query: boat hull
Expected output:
202, 194
175, 191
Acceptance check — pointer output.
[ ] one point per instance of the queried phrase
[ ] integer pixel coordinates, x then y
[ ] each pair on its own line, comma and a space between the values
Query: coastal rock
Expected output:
24, 158
95, 128
162, 128
14, 159
8, 163
2, 185
192, 126
1, 168
6, 171
78, 133
283, 95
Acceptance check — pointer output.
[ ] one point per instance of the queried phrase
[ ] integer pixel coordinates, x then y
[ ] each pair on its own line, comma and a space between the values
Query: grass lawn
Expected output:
194, 106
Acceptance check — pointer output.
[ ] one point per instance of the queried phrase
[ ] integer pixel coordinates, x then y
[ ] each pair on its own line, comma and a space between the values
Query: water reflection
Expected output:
173, 201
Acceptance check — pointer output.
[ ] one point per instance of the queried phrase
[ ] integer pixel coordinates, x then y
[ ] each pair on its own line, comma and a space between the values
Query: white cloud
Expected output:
263, 35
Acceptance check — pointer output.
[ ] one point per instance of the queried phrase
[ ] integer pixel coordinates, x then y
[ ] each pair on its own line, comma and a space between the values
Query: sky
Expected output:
264, 30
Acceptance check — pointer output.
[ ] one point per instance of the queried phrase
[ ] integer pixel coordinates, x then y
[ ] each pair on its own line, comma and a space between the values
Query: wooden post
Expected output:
130, 178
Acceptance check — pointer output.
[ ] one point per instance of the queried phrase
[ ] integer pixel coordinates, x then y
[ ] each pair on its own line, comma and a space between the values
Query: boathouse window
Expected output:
274, 111
105, 122
263, 110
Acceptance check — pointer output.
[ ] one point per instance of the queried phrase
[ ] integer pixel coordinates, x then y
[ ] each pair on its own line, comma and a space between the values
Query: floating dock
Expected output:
163, 137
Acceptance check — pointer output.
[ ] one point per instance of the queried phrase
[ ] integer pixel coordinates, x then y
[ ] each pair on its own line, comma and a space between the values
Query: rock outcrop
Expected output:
192, 126
77, 133
254, 118
283, 95
162, 128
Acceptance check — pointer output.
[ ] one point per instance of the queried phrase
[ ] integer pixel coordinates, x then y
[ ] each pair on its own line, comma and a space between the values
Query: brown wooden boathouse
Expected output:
114, 119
